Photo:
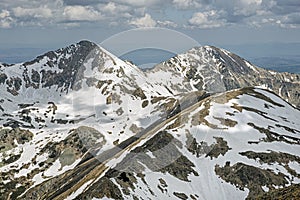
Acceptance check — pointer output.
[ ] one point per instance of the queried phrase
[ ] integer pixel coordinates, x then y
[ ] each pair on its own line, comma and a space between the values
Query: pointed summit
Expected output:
217, 70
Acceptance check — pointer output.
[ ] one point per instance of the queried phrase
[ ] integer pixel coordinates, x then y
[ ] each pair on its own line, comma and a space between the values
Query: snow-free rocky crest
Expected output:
79, 123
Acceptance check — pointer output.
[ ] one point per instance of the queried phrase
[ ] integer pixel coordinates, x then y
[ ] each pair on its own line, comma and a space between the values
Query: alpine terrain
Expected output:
79, 123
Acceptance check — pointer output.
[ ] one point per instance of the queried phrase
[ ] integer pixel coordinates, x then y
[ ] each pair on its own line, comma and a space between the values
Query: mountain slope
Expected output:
217, 70
57, 107
234, 148
78, 123
82, 82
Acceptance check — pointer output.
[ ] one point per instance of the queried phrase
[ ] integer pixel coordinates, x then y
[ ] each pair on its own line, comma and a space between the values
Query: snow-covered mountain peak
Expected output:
221, 57
215, 70
77, 83
64, 68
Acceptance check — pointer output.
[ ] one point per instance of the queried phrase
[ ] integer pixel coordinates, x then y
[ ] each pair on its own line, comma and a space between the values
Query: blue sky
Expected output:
53, 24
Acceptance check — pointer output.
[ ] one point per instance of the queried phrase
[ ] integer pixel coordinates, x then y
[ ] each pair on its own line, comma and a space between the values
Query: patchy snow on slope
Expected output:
107, 100
79, 191
251, 66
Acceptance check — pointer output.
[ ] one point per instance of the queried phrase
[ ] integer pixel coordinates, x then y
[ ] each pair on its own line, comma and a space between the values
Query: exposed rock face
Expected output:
58, 68
290, 192
67, 152
242, 175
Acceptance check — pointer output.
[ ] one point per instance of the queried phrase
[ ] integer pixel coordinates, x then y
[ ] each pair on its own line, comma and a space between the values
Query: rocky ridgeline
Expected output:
217, 70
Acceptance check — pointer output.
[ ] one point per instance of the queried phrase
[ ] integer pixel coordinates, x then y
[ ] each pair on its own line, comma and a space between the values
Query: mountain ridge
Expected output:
184, 129
219, 70
271, 138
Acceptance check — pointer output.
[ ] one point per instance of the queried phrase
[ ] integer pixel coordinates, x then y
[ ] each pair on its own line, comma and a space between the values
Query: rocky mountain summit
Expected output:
79, 123
217, 70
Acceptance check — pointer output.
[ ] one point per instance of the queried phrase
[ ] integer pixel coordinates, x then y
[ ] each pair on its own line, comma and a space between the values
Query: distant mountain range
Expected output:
80, 123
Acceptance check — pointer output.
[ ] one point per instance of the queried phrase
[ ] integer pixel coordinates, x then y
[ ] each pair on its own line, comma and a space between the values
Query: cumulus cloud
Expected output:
114, 9
167, 23
247, 7
292, 18
5, 19
81, 13
283, 7
143, 22
110, 7
4, 14
235, 12
204, 13
290, 21
209, 19
40, 12
186, 4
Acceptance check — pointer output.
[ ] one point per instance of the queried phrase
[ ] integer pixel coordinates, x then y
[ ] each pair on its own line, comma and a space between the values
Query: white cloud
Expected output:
5, 19
40, 12
110, 7
167, 24
293, 18
4, 14
208, 19
82, 13
247, 7
114, 8
289, 21
117, 12
145, 21
185, 4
